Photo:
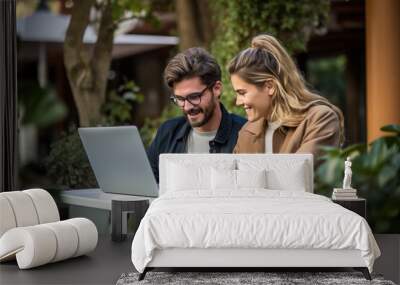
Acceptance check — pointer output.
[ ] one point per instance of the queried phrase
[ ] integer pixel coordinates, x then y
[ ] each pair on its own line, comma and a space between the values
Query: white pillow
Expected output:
182, 177
186, 175
222, 179
251, 178
281, 174
293, 180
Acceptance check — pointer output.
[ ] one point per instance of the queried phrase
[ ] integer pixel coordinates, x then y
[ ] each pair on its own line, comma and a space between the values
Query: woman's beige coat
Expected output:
319, 127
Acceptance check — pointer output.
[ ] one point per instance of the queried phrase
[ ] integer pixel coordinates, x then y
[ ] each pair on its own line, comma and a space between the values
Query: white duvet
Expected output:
250, 219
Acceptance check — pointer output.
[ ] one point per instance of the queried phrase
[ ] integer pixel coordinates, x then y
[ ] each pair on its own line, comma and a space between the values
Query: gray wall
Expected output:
389, 262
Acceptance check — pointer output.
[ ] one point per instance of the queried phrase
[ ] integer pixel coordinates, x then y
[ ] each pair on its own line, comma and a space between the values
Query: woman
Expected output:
283, 115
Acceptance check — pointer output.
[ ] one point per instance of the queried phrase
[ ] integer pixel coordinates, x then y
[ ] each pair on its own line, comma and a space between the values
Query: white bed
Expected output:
240, 211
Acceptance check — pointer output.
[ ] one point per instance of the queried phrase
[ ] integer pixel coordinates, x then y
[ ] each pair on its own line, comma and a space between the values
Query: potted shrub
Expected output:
376, 176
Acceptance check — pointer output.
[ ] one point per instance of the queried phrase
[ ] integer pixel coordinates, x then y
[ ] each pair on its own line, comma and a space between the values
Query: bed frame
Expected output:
250, 258
242, 259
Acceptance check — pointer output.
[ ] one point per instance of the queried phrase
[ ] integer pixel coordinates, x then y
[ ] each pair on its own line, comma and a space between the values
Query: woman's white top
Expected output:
269, 134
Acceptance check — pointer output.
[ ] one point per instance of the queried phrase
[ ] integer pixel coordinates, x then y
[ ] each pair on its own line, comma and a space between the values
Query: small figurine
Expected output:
347, 192
347, 174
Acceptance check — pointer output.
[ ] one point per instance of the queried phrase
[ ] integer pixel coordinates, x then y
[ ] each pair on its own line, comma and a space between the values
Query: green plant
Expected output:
67, 162
328, 76
376, 176
117, 110
39, 106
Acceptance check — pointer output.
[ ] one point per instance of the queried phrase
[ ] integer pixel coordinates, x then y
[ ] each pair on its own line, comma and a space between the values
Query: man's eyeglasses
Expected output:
193, 98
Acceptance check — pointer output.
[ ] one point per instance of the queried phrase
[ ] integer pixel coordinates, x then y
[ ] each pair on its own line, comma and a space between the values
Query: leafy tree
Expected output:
87, 68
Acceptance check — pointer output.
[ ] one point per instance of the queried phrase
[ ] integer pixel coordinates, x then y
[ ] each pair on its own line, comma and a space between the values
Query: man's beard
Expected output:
208, 113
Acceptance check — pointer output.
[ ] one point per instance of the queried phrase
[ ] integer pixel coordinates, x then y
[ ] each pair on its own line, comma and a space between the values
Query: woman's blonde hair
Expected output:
267, 60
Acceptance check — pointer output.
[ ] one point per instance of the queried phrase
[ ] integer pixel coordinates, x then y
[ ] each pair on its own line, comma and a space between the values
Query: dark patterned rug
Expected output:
230, 278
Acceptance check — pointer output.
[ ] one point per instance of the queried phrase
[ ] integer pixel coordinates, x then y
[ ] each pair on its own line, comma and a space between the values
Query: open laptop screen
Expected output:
119, 161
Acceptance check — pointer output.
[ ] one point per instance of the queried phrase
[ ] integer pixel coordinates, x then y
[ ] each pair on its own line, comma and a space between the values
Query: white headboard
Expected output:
212, 159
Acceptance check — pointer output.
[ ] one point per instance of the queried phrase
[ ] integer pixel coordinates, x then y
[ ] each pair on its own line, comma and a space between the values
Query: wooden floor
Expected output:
102, 266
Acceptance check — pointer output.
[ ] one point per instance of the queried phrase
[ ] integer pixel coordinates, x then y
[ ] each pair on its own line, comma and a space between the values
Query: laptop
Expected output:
119, 161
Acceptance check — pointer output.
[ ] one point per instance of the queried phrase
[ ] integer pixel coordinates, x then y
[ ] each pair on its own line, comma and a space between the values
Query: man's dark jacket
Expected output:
173, 134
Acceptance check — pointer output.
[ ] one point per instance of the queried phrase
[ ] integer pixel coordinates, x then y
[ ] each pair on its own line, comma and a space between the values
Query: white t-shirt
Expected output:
269, 134
198, 142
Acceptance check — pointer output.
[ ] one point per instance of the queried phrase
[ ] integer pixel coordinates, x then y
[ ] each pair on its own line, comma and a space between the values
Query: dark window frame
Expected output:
8, 97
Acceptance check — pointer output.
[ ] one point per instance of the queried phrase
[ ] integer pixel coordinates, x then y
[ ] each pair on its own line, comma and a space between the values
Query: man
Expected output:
194, 78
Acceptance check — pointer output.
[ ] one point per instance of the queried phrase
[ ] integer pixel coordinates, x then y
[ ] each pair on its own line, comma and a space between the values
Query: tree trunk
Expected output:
88, 71
205, 22
194, 23
189, 34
